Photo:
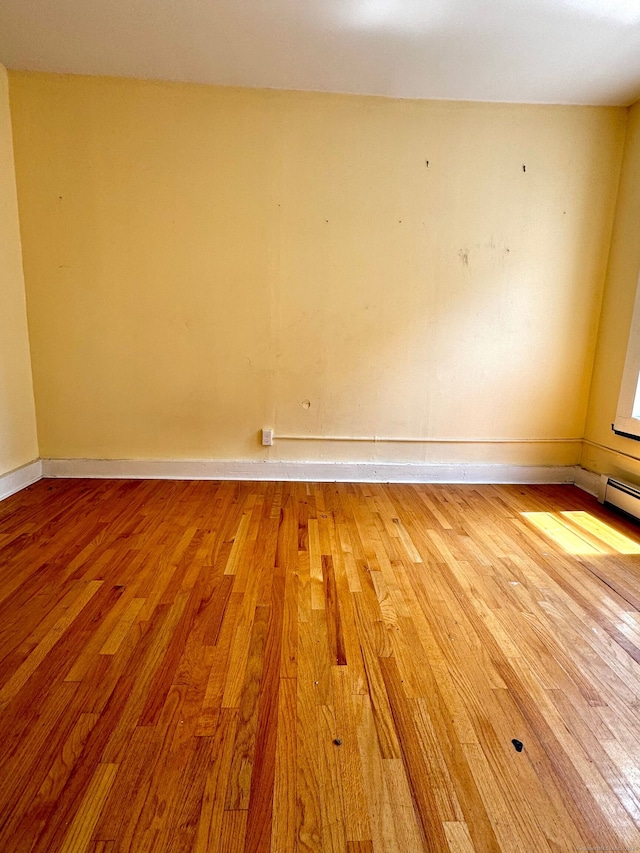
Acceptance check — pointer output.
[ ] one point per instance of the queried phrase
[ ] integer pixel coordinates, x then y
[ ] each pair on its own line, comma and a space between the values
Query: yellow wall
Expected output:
200, 261
617, 308
18, 438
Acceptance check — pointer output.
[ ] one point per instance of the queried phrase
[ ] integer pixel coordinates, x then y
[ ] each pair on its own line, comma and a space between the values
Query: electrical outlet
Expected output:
267, 437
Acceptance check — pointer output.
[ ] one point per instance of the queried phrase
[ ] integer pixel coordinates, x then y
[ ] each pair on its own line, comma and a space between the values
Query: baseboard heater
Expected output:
621, 495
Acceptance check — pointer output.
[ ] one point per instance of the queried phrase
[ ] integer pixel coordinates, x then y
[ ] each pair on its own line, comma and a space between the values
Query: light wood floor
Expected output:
291, 667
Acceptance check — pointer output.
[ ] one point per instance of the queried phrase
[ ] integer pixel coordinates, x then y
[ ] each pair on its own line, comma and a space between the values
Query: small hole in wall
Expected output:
306, 404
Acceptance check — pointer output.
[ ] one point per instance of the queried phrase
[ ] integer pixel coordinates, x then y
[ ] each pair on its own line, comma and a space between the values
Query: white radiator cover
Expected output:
624, 496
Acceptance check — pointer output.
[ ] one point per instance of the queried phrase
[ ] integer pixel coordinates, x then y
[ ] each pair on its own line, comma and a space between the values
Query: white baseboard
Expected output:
20, 478
327, 472
591, 482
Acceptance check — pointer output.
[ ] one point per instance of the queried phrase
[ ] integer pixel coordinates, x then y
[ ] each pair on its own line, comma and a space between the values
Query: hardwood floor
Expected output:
198, 666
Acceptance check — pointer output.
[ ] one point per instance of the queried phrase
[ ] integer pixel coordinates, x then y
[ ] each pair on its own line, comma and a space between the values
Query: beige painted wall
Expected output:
617, 309
200, 261
18, 437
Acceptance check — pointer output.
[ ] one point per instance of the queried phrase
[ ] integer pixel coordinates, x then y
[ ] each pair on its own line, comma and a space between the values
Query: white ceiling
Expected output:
539, 51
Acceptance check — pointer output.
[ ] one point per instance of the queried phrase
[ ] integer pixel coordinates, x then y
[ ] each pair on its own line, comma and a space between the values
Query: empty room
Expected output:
320, 426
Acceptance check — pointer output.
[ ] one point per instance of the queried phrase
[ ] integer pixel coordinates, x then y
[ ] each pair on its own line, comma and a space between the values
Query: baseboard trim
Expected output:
327, 472
20, 478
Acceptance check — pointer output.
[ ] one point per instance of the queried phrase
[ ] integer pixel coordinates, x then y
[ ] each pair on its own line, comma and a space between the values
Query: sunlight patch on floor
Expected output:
562, 534
603, 531
580, 532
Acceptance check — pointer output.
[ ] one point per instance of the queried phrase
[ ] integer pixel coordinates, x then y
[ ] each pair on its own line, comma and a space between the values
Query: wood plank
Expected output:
424, 798
79, 835
212, 810
285, 798
337, 653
